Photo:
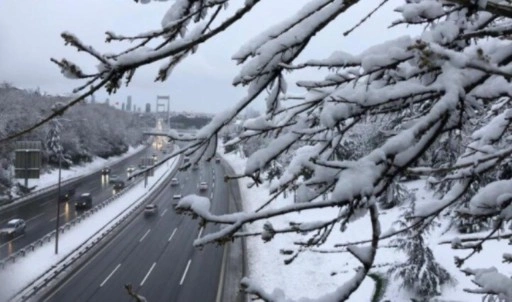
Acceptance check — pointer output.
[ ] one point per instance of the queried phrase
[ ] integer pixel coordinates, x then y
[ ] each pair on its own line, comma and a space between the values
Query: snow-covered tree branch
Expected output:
450, 81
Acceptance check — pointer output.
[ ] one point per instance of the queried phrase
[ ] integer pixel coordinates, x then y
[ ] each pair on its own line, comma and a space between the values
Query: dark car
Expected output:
118, 186
105, 171
84, 201
67, 195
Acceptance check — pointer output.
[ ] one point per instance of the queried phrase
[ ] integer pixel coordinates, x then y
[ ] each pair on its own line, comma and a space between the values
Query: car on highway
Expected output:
174, 182
118, 186
195, 166
13, 228
113, 179
203, 186
150, 209
217, 159
105, 171
130, 169
84, 201
67, 195
176, 196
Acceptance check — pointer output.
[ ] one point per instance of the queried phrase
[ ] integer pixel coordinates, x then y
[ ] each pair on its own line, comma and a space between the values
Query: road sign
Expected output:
27, 161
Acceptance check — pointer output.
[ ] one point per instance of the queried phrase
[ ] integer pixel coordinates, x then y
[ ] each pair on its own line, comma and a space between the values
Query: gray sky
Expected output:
30, 36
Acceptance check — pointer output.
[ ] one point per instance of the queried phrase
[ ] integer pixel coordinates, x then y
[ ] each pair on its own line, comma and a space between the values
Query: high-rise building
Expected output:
148, 107
129, 103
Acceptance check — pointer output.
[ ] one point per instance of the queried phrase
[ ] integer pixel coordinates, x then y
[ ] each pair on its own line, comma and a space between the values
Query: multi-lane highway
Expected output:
155, 254
40, 212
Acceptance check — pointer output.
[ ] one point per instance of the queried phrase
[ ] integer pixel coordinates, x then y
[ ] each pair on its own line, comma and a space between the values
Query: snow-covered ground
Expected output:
313, 274
26, 269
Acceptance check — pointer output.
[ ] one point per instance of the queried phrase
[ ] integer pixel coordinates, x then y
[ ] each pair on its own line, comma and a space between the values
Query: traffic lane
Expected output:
169, 230
47, 201
134, 268
108, 265
90, 181
88, 280
192, 274
221, 194
202, 280
108, 262
199, 279
44, 220
171, 269
87, 181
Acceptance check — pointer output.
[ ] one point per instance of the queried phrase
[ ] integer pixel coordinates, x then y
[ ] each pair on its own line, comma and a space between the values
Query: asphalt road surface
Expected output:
41, 211
155, 254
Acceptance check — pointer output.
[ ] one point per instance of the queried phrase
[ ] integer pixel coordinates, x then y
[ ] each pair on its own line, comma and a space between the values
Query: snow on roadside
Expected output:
25, 270
311, 275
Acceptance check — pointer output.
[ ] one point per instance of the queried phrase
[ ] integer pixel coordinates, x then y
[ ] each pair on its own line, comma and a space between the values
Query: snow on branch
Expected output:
490, 281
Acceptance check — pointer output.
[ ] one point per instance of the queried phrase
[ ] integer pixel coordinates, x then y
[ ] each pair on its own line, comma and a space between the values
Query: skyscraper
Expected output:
129, 103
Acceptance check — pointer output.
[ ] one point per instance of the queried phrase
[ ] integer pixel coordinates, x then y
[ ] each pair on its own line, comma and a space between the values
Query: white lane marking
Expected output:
172, 235
185, 272
39, 215
221, 276
110, 275
200, 232
44, 203
211, 195
162, 215
147, 275
213, 184
11, 241
55, 218
144, 236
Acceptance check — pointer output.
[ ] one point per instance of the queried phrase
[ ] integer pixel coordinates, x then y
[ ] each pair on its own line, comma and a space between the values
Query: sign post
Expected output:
27, 161
147, 162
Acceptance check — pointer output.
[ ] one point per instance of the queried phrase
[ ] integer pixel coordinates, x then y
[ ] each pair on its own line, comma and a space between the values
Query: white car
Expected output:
13, 227
176, 196
175, 182
203, 186
113, 178
130, 169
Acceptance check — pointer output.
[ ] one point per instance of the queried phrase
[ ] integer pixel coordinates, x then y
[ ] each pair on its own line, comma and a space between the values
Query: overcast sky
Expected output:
30, 36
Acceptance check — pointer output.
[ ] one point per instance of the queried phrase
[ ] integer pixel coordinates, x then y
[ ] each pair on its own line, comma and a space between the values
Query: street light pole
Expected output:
58, 208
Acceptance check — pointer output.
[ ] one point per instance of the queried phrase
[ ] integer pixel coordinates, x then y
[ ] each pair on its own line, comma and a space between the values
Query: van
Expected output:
84, 201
